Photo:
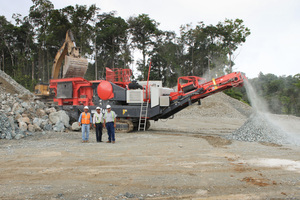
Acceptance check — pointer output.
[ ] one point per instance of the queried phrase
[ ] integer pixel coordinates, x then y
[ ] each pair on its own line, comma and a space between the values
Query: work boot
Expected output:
113, 142
83, 141
108, 142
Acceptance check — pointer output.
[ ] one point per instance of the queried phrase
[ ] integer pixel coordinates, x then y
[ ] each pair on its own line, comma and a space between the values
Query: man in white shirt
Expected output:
110, 124
97, 121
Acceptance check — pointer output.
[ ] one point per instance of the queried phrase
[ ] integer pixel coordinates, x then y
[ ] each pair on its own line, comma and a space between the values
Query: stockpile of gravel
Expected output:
217, 105
22, 115
259, 128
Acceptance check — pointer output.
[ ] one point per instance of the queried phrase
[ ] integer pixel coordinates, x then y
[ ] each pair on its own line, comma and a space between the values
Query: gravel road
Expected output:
150, 165
188, 157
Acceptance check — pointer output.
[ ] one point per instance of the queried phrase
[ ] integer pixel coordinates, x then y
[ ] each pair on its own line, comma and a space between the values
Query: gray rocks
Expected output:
6, 108
59, 127
23, 126
17, 108
19, 136
48, 127
60, 116
40, 112
25, 105
50, 110
21, 114
6, 128
31, 128
217, 105
24, 119
259, 128
75, 126
37, 121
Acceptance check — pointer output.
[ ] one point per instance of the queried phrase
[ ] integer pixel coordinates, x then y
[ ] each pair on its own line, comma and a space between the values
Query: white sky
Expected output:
272, 47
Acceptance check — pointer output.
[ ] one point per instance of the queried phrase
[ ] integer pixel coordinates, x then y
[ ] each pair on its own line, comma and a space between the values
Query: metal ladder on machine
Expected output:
143, 116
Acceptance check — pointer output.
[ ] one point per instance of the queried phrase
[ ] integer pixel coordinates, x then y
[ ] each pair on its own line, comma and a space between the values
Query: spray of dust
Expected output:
280, 125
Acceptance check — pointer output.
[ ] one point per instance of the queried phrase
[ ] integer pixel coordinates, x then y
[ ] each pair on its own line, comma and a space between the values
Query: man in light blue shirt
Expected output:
85, 120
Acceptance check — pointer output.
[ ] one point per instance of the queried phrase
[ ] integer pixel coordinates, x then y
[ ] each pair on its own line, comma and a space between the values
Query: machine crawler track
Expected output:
124, 126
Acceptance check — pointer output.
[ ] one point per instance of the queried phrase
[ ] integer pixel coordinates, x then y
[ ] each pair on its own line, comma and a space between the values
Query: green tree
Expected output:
111, 35
297, 79
143, 30
81, 17
39, 16
6, 42
202, 50
165, 59
233, 33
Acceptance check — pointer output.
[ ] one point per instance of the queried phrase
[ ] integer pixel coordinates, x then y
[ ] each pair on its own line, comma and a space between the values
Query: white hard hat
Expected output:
98, 108
85, 107
108, 106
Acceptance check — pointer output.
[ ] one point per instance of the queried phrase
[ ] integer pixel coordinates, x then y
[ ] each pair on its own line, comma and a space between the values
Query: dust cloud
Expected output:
275, 126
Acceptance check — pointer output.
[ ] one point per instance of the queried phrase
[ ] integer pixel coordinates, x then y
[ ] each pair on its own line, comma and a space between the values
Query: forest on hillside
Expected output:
281, 93
29, 44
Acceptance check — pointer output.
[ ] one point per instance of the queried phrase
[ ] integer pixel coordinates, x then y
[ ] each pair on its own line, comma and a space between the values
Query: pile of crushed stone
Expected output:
217, 105
258, 128
21, 114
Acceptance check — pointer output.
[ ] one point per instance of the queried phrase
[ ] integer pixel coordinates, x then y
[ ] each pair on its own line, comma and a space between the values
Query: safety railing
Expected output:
118, 75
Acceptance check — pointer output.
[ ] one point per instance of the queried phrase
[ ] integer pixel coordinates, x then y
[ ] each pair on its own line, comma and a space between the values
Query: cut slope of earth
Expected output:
9, 85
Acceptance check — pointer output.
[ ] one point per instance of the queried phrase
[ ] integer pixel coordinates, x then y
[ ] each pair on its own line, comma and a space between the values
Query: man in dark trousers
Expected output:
110, 124
97, 121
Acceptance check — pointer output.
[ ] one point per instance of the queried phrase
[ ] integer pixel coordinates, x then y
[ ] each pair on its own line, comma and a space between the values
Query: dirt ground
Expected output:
169, 161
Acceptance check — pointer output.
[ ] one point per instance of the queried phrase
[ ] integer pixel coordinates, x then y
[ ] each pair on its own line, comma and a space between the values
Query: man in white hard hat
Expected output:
85, 120
98, 121
110, 124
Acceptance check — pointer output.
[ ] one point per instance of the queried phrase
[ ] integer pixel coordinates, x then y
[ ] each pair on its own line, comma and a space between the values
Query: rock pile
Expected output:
259, 128
217, 105
22, 115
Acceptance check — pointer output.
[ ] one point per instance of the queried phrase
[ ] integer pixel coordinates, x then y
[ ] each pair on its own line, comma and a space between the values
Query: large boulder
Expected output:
25, 105
60, 116
40, 112
19, 136
31, 128
17, 108
59, 127
50, 110
38, 121
22, 126
37, 128
24, 119
75, 126
48, 127
38, 104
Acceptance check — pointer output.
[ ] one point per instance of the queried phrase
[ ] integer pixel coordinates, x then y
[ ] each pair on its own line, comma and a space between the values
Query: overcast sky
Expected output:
272, 47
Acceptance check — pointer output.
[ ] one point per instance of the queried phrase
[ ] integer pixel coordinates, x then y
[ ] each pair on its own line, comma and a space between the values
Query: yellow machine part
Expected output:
42, 90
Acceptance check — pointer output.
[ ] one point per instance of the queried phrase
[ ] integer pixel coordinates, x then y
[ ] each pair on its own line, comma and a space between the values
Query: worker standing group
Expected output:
100, 120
